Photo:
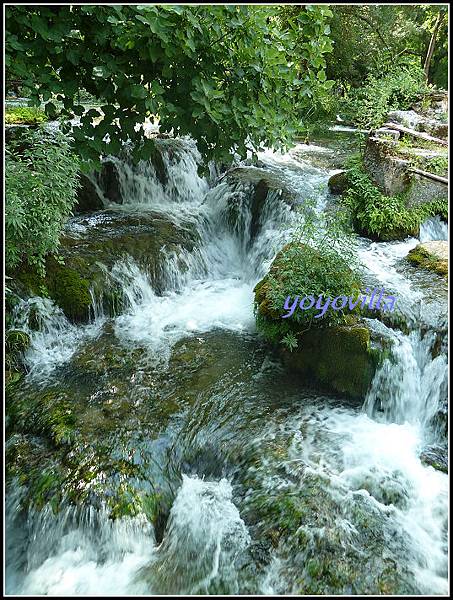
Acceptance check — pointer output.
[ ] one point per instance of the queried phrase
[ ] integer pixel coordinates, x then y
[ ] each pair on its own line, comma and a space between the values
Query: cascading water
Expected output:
276, 489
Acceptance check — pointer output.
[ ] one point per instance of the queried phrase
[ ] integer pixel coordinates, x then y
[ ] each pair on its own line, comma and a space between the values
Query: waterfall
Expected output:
433, 229
53, 338
212, 285
69, 553
205, 531
410, 384
356, 471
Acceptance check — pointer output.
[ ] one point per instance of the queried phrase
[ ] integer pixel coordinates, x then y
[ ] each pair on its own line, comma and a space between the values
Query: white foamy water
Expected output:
204, 536
78, 552
84, 552
433, 229
53, 339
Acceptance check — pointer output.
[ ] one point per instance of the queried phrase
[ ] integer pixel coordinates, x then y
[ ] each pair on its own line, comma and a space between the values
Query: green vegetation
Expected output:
369, 105
24, 115
313, 264
386, 57
41, 185
384, 217
370, 39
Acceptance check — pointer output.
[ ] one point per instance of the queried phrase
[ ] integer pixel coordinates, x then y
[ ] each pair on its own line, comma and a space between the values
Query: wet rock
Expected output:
338, 358
321, 556
252, 185
389, 172
109, 182
338, 183
89, 199
159, 165
90, 247
259, 196
437, 457
16, 343
432, 255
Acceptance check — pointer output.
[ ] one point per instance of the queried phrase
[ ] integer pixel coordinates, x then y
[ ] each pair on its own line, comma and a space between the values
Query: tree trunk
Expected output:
432, 44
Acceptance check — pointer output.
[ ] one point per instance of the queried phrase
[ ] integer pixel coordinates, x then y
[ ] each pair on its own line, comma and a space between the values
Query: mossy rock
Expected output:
49, 413
283, 270
70, 290
87, 260
16, 343
63, 284
391, 234
340, 358
432, 256
322, 557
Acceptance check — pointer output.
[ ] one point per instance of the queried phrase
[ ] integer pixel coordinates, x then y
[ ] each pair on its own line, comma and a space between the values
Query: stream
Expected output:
267, 486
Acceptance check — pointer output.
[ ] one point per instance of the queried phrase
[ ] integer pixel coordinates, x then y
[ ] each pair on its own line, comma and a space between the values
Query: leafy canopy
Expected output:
230, 76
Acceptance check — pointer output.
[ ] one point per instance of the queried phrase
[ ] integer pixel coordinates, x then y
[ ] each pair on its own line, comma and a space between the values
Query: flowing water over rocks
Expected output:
162, 447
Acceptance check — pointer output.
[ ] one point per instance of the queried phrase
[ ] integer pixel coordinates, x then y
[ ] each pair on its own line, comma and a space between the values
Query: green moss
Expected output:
65, 285
16, 343
69, 290
49, 413
341, 358
420, 257
24, 115
302, 270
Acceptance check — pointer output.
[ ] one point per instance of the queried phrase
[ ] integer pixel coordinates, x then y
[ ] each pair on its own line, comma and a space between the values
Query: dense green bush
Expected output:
380, 216
41, 186
369, 105
24, 115
320, 261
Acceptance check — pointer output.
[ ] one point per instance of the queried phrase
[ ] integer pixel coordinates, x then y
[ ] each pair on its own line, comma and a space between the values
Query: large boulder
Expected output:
89, 197
335, 351
109, 181
431, 255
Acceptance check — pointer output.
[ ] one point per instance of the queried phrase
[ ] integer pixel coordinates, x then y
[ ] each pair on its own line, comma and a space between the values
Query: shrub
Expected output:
24, 115
369, 105
41, 184
380, 216
319, 261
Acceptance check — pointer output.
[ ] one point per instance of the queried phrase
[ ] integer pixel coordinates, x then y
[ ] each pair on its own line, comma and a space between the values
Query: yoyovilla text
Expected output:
378, 297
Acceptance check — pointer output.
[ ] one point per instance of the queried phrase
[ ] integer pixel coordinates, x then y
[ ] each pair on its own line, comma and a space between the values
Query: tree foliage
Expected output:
371, 39
230, 76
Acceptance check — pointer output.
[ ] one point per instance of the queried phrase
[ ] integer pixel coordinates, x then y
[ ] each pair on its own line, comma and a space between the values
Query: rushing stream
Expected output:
270, 487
